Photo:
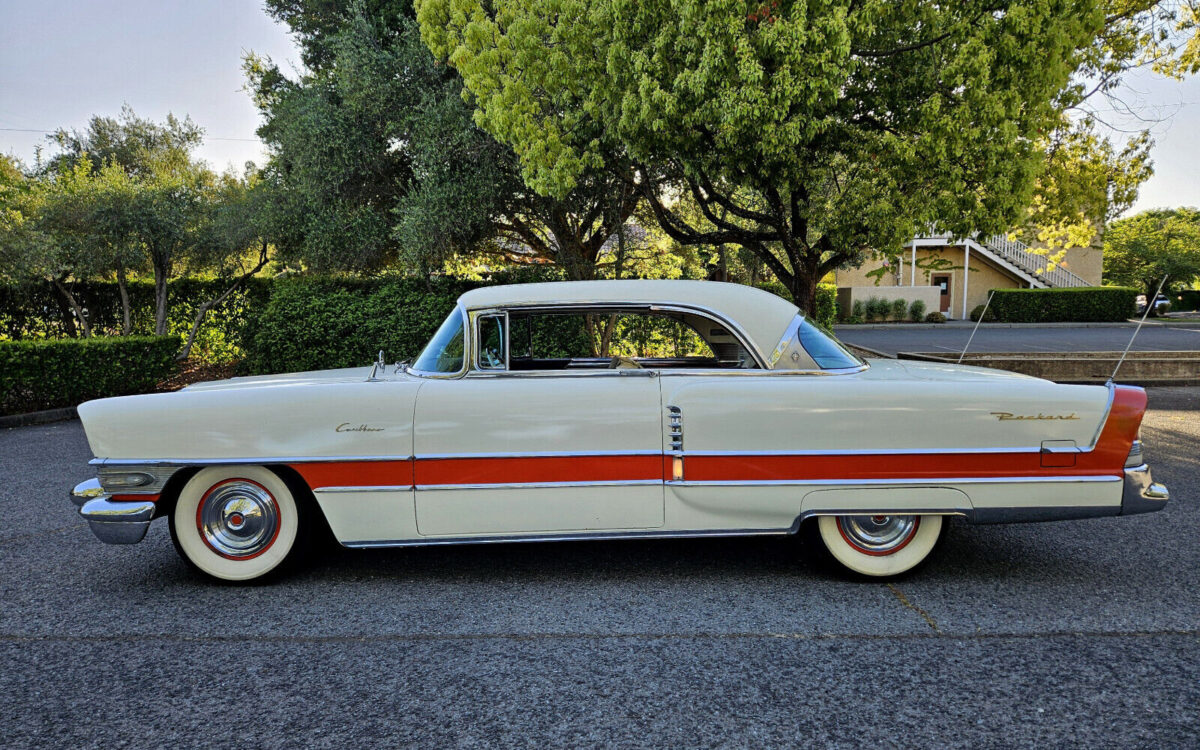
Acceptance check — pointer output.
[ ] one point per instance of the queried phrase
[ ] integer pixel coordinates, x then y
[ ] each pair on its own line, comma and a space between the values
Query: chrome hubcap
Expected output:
878, 535
238, 518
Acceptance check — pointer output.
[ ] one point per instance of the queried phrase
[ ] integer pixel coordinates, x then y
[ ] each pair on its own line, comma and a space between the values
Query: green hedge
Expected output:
1188, 299
48, 374
36, 311
1093, 304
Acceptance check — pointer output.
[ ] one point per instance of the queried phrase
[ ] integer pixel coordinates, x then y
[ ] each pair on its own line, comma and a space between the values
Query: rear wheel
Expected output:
237, 523
880, 545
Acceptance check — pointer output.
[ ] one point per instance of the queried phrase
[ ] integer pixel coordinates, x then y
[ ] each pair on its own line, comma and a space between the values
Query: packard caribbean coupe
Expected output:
611, 409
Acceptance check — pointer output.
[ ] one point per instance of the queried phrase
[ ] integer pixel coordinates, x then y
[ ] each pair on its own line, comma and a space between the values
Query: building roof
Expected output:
763, 316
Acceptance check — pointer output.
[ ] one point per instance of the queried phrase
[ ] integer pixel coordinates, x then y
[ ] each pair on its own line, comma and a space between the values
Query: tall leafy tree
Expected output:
379, 161
806, 132
1141, 249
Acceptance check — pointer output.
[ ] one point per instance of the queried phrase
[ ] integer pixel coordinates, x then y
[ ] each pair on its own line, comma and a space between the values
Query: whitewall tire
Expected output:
880, 545
236, 523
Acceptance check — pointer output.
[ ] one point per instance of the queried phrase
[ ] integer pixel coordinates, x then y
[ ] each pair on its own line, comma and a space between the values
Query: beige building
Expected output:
965, 271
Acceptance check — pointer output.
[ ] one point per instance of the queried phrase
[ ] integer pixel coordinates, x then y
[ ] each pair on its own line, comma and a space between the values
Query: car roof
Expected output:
763, 316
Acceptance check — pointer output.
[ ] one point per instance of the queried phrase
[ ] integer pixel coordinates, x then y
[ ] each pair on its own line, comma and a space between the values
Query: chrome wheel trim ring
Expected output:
238, 519
878, 535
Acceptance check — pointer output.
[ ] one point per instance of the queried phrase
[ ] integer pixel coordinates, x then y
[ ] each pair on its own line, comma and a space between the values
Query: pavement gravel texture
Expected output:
1080, 633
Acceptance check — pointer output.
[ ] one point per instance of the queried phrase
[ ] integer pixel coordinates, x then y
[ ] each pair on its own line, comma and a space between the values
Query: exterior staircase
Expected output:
1013, 255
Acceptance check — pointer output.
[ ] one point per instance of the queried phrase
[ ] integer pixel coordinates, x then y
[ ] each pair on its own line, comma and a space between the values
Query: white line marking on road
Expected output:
1189, 330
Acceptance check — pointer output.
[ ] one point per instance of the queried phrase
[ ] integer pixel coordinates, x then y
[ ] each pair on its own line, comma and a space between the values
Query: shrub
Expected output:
1188, 299
978, 311
826, 304
877, 309
1164, 308
858, 311
1075, 305
49, 374
935, 317
916, 311
899, 309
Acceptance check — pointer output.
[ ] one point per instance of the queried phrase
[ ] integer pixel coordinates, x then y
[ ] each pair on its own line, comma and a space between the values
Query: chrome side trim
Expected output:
569, 537
539, 485
229, 461
866, 452
675, 429
535, 454
1112, 396
367, 488
939, 481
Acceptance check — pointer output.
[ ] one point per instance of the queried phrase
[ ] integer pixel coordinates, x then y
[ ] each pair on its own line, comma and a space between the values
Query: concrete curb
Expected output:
38, 417
959, 325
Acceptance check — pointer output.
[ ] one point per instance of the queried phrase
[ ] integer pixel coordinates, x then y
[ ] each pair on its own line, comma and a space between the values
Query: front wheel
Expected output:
880, 545
236, 523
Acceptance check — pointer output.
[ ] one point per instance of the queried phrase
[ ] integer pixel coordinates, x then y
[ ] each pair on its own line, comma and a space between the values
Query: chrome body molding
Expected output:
538, 485
568, 537
263, 460
535, 454
1141, 493
934, 482
113, 522
365, 488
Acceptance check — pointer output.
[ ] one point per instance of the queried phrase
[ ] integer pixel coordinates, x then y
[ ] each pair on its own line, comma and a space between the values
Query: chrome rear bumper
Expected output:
113, 522
1142, 494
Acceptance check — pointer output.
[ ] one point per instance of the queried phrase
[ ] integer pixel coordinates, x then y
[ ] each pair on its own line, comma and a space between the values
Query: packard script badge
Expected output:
1004, 416
347, 427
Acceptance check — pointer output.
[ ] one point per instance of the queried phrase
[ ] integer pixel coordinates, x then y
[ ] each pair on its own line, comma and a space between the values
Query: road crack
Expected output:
904, 600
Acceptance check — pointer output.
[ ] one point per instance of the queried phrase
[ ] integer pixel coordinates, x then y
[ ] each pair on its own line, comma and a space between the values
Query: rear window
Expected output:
825, 350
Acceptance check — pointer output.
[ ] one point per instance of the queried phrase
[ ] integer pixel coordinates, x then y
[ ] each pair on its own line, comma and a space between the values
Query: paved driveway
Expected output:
1076, 633
952, 338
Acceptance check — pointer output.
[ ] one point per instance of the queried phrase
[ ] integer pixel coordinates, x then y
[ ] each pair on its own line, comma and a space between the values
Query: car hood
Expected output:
314, 377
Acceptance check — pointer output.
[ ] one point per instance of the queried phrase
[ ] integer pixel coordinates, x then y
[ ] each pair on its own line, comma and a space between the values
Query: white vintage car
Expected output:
611, 409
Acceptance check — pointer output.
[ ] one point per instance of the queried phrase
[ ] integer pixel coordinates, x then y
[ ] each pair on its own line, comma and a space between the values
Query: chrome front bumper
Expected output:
1142, 494
113, 522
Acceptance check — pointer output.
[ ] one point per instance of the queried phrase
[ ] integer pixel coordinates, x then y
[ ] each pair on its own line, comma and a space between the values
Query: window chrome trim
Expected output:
584, 305
867, 452
466, 365
541, 485
792, 330
366, 488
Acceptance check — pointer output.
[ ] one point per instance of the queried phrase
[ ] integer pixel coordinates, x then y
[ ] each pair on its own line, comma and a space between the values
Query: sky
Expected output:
62, 62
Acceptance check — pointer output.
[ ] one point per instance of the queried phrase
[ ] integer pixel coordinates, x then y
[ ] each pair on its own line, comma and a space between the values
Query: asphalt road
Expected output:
1079, 633
952, 338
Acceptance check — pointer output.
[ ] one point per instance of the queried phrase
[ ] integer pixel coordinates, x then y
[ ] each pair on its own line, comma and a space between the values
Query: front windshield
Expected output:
825, 350
444, 352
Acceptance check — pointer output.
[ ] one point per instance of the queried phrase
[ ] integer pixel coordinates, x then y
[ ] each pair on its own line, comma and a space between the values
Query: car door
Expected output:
501, 452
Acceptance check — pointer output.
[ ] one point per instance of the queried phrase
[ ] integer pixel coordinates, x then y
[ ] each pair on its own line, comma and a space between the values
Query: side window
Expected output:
550, 340
492, 343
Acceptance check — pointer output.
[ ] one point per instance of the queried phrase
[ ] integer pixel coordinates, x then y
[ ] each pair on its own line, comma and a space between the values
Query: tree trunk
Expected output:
126, 313
160, 299
84, 325
804, 292
203, 310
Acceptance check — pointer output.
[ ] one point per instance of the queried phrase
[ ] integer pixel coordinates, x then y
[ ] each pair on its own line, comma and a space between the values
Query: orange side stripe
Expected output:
538, 469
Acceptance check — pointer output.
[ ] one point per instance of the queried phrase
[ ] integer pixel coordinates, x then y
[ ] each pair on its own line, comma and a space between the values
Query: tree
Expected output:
1086, 183
806, 133
1140, 250
379, 161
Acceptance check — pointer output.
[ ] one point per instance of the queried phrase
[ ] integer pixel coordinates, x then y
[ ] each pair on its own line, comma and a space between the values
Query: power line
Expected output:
52, 132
